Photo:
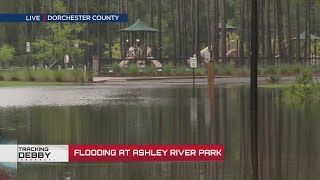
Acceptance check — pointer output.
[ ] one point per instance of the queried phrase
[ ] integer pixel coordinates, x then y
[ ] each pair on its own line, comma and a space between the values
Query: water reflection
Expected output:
288, 145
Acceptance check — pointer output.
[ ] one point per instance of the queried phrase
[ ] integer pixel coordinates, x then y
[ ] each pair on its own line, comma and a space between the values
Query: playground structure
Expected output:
142, 56
139, 45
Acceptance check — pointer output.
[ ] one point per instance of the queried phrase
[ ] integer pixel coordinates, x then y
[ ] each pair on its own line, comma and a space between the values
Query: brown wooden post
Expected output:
96, 66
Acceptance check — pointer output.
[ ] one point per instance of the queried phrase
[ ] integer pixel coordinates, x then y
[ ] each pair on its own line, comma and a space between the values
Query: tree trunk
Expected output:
214, 27
289, 57
307, 32
262, 43
223, 31
267, 35
280, 29
197, 2
208, 24
298, 32
152, 19
160, 30
242, 27
174, 32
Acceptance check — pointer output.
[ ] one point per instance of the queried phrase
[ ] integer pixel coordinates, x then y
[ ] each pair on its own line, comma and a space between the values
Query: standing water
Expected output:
163, 113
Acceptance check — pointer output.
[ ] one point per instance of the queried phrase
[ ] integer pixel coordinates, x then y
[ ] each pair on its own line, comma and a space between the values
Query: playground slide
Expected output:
156, 63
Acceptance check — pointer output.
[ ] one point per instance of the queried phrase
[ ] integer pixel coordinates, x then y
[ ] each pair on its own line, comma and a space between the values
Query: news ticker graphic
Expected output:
33, 18
111, 153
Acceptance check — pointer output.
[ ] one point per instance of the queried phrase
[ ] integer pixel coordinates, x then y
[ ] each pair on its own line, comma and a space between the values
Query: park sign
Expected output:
28, 47
193, 62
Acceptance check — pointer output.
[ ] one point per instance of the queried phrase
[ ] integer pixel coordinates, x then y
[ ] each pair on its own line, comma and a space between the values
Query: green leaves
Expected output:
304, 90
6, 53
60, 39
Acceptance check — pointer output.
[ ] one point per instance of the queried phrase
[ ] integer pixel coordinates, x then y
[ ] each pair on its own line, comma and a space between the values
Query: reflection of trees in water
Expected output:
288, 148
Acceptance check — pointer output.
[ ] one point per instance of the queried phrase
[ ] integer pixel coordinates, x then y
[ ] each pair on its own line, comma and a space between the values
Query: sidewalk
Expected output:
123, 79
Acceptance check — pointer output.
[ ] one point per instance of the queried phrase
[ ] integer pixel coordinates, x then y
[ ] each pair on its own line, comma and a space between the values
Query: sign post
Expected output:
28, 50
193, 65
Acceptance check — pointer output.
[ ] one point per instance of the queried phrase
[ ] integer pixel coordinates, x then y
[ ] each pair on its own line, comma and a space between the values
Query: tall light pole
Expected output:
254, 89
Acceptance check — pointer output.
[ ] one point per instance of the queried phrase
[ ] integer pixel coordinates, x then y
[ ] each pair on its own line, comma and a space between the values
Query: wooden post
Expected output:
96, 66
211, 82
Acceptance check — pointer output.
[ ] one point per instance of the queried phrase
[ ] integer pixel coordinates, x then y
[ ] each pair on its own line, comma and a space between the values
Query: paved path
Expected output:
223, 80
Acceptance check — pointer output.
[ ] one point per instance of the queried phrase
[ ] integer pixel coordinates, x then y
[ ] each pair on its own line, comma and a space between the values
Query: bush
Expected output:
243, 71
115, 67
229, 70
168, 69
296, 69
133, 70
274, 79
181, 71
304, 78
217, 69
284, 69
150, 70
200, 71
271, 70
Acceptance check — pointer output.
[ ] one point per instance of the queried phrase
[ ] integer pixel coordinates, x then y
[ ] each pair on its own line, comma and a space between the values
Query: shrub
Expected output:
304, 78
168, 69
296, 69
243, 71
133, 70
217, 69
274, 79
229, 70
181, 70
271, 70
150, 70
284, 69
115, 67
200, 71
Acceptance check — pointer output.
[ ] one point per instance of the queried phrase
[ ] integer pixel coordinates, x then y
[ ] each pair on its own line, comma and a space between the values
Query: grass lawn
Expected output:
24, 83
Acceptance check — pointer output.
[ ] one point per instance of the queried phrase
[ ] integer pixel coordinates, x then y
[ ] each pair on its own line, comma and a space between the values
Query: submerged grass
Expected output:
24, 83
46, 76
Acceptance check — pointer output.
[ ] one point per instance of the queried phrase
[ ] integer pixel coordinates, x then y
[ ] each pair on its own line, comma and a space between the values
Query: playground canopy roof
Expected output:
227, 26
139, 26
303, 37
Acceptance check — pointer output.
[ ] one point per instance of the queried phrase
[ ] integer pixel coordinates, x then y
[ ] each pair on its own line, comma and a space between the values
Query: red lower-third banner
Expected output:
110, 153
145, 153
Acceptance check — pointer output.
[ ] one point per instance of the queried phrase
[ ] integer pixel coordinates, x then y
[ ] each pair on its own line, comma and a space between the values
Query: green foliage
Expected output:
133, 70
284, 69
243, 71
6, 53
168, 69
181, 71
274, 79
115, 50
304, 78
43, 76
229, 70
199, 71
150, 70
304, 90
271, 70
115, 67
60, 39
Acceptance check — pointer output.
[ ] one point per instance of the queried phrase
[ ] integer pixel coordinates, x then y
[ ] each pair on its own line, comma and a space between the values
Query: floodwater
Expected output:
148, 112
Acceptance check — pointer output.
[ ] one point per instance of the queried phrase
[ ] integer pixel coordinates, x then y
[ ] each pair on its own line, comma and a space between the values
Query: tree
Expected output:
280, 28
289, 32
242, 29
223, 30
59, 40
6, 54
267, 36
